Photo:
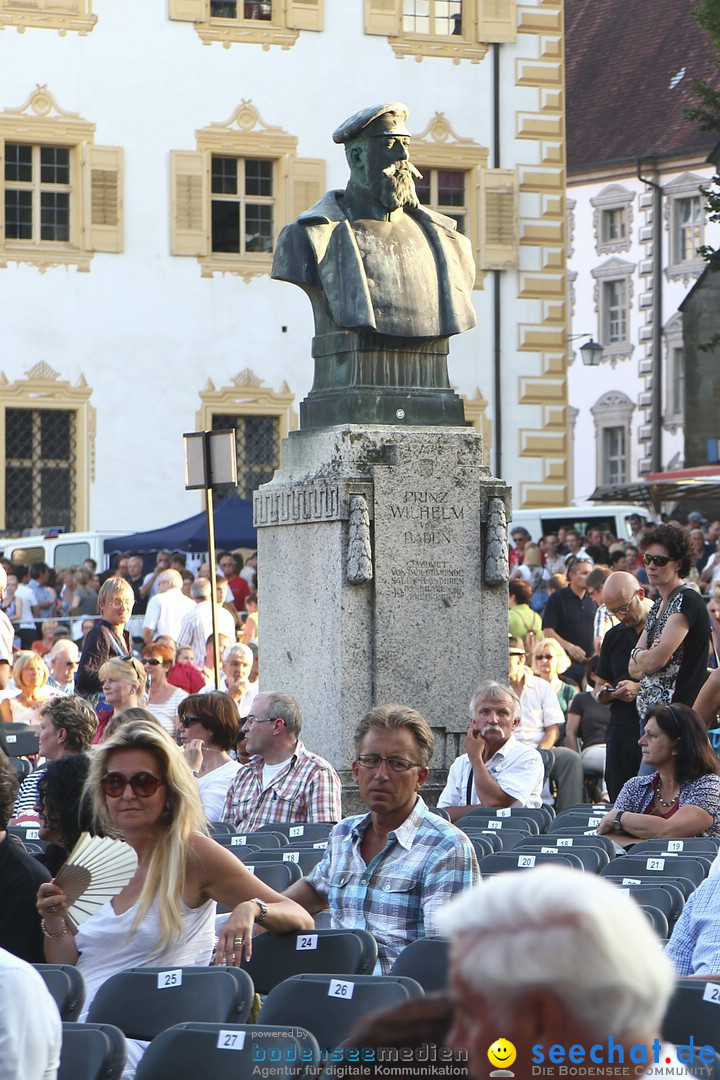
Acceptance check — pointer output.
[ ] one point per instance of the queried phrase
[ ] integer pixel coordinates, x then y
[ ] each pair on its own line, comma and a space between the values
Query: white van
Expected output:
58, 549
612, 517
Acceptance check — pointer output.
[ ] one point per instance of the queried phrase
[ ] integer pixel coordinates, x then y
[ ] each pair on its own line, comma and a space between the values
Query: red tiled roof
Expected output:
621, 58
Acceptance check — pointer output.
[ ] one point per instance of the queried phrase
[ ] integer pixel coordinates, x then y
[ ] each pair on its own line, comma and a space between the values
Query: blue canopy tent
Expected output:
233, 529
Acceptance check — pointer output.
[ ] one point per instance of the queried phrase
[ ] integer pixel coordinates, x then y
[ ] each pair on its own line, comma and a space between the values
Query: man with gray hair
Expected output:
63, 660
555, 972
167, 608
196, 627
283, 781
393, 870
496, 770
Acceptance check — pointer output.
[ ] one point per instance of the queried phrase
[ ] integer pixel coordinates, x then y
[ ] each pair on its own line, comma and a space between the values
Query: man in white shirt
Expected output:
540, 725
167, 608
196, 627
496, 770
30, 1028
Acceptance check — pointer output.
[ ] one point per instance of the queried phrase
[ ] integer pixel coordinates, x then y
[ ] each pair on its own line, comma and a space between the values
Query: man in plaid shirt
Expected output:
393, 870
283, 781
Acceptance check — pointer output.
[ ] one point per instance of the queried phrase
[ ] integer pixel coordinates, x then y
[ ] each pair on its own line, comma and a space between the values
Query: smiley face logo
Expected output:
502, 1053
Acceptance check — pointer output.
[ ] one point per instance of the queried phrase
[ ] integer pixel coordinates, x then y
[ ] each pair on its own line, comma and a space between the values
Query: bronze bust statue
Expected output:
389, 281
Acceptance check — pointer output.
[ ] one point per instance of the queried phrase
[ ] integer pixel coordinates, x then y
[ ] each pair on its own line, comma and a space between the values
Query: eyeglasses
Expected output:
516, 652
152, 660
656, 560
625, 607
250, 719
395, 764
544, 656
143, 784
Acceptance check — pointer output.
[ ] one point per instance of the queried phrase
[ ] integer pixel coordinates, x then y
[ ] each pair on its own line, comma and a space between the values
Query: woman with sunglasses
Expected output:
670, 659
142, 790
549, 660
163, 698
209, 728
680, 794
123, 686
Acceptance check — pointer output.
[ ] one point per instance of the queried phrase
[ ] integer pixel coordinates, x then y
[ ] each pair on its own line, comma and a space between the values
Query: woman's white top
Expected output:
213, 788
167, 712
106, 944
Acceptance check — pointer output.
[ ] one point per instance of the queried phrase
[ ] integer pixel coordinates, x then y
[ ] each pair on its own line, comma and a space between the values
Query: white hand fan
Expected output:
97, 869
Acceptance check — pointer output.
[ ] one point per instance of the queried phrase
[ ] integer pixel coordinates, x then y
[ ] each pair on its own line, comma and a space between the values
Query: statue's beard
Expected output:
395, 186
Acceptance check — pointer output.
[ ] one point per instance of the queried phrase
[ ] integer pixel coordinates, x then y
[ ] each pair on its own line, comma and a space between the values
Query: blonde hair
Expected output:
563, 661
127, 670
30, 659
184, 815
532, 556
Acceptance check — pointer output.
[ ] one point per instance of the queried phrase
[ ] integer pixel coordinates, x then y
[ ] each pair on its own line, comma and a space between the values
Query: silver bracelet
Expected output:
46, 932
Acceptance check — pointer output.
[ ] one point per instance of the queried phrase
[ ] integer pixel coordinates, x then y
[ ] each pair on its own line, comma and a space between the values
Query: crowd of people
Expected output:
607, 700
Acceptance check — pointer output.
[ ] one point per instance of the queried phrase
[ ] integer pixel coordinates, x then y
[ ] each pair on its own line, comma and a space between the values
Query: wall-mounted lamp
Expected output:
591, 351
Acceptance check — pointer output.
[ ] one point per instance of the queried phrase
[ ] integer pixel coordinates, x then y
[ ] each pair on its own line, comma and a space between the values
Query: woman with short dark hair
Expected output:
209, 728
681, 797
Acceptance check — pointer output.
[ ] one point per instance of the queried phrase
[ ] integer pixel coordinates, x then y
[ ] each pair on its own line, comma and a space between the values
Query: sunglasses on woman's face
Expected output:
656, 560
152, 660
143, 784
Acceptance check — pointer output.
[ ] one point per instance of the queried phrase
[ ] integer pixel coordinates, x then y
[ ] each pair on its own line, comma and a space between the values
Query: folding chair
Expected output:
651, 892
277, 874
510, 836
269, 841
489, 819
658, 920
603, 848
493, 838
229, 1052
587, 819
329, 1006
693, 1010
299, 830
67, 988
502, 862
543, 815
482, 846
20, 740
427, 960
221, 828
22, 766
145, 1001
705, 847
279, 956
92, 1052
591, 858
440, 811
305, 858
647, 867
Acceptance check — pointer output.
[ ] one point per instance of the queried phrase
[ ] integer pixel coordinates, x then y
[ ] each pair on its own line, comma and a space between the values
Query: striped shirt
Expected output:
308, 789
397, 897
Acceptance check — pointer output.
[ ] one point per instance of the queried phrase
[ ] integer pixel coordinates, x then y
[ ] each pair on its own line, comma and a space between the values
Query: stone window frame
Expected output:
61, 15
42, 388
614, 270
673, 411
684, 187
96, 183
298, 183
438, 146
612, 197
484, 22
289, 18
613, 410
477, 418
247, 395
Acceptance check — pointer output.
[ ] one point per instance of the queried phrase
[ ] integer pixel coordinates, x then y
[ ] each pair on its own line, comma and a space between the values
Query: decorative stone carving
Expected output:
497, 568
359, 556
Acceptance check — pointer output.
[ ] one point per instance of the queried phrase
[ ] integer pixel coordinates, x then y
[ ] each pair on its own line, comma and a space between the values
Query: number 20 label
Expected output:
712, 993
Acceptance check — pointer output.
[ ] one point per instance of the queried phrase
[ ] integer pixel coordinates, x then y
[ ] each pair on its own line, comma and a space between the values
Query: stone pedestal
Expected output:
384, 578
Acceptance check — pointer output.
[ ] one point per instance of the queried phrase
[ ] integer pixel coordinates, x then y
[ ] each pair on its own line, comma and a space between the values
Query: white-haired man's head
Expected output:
560, 931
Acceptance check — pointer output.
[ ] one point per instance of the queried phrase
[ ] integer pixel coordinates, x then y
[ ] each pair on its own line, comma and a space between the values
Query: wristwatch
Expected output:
263, 909
617, 827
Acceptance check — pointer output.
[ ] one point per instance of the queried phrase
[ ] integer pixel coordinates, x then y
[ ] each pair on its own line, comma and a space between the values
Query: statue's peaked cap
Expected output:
388, 119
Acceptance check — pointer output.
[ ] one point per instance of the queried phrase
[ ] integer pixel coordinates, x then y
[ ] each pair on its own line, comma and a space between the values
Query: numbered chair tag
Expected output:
166, 979
504, 811
11, 738
655, 864
676, 845
494, 824
594, 820
32, 834
712, 993
321, 844
339, 989
564, 841
291, 856
631, 881
306, 941
296, 830
549, 851
238, 841
250, 868
526, 860
231, 1040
